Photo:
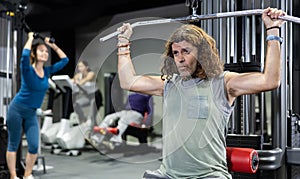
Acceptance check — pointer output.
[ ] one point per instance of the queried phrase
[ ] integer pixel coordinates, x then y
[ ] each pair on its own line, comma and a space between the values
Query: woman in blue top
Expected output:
22, 110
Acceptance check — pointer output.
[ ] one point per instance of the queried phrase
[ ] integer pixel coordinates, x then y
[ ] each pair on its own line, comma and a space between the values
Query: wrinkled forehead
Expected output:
187, 39
182, 45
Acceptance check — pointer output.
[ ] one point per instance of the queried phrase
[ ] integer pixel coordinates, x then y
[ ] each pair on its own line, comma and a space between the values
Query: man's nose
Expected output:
181, 58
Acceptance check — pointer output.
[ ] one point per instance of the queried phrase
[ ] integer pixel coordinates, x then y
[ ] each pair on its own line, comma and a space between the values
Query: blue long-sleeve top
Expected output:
33, 88
141, 103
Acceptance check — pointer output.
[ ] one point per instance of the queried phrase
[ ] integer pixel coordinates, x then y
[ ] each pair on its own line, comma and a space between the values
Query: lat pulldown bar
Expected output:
196, 17
35, 34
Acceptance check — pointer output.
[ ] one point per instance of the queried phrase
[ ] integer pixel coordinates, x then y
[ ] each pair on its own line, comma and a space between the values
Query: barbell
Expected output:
196, 17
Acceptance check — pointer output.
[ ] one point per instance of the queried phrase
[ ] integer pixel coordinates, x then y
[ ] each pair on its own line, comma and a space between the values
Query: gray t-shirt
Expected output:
196, 113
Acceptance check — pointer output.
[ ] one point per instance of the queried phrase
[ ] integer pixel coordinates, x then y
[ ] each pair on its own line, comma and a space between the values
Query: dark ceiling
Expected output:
67, 14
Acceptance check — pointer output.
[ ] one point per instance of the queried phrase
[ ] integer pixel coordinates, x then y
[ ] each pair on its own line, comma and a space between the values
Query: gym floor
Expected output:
128, 162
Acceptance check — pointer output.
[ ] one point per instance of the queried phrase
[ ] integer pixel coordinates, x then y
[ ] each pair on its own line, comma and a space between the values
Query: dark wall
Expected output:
65, 39
296, 59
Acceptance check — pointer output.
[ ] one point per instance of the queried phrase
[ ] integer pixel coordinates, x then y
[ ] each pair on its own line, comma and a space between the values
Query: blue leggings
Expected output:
19, 116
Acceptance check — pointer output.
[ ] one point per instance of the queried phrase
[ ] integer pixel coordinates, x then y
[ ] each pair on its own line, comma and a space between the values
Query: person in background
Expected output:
138, 105
22, 109
85, 78
198, 96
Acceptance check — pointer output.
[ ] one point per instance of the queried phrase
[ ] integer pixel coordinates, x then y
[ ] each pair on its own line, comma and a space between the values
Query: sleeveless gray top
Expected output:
196, 113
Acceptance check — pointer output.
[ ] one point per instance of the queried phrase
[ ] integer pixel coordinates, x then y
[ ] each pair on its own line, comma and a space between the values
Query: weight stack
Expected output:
295, 131
294, 141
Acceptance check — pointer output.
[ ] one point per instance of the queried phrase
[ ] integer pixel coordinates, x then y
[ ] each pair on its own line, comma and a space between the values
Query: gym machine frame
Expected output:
269, 159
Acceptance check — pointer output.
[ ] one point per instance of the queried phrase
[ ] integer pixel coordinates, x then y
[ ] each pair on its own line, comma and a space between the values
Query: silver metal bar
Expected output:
204, 11
2, 63
253, 31
247, 40
283, 88
233, 36
136, 24
262, 45
246, 111
204, 17
220, 31
281, 128
209, 22
290, 56
228, 45
236, 14
247, 98
8, 59
262, 94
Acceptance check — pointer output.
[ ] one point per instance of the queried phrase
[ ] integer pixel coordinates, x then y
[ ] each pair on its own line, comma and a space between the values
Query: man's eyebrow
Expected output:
186, 48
